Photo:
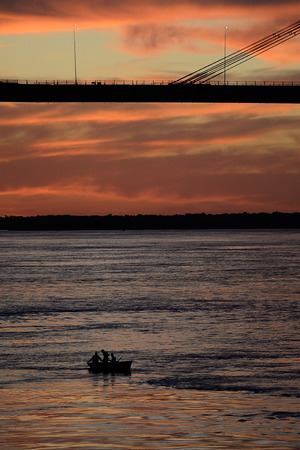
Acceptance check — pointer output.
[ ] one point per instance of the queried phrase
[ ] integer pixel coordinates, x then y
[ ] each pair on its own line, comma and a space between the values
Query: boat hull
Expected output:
117, 367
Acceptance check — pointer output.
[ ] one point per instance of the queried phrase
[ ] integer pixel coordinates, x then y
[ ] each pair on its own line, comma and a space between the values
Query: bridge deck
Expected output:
144, 93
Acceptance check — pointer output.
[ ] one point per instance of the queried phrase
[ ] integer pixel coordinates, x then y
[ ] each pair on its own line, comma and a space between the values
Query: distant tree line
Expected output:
273, 220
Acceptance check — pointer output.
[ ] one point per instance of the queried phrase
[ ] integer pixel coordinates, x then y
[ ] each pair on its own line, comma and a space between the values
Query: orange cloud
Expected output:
88, 159
153, 158
54, 15
190, 34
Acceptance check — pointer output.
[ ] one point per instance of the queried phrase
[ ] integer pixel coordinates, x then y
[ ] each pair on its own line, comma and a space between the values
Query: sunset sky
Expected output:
146, 158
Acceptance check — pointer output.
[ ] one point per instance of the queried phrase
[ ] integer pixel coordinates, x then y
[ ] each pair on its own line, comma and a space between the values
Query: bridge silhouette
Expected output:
194, 87
123, 92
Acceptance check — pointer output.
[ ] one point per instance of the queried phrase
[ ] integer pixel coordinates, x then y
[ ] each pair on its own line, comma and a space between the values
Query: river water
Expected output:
209, 318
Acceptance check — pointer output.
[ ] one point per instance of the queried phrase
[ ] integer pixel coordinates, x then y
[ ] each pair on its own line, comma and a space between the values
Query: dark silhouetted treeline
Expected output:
153, 222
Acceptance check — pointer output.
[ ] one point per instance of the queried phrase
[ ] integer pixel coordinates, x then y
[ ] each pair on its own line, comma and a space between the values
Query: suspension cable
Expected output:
235, 59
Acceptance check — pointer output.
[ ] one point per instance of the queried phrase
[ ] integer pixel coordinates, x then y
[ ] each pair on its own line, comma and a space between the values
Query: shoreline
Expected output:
275, 220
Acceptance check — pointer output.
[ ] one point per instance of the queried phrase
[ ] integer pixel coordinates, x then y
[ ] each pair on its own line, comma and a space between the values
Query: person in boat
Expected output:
95, 358
113, 358
105, 356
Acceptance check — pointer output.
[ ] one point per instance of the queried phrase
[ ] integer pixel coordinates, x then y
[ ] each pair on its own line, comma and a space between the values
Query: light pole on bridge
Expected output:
75, 65
225, 30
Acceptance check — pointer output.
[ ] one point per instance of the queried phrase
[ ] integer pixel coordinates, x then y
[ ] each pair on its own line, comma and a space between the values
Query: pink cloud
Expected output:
58, 159
52, 15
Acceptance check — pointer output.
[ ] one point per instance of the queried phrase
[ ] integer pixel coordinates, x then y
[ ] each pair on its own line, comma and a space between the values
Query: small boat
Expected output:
110, 367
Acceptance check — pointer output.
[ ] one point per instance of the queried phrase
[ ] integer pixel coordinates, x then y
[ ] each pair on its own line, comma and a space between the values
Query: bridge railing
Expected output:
146, 82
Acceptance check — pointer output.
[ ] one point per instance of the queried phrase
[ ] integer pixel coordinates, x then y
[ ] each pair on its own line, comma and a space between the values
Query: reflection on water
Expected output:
112, 412
210, 320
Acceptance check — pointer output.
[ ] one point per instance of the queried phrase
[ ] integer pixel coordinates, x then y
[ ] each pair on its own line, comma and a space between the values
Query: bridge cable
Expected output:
218, 67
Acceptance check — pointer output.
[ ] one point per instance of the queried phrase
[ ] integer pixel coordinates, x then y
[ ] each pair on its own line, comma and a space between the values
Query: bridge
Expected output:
194, 87
142, 92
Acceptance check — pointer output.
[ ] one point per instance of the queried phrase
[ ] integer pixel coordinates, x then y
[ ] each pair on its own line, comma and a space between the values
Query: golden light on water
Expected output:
96, 415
